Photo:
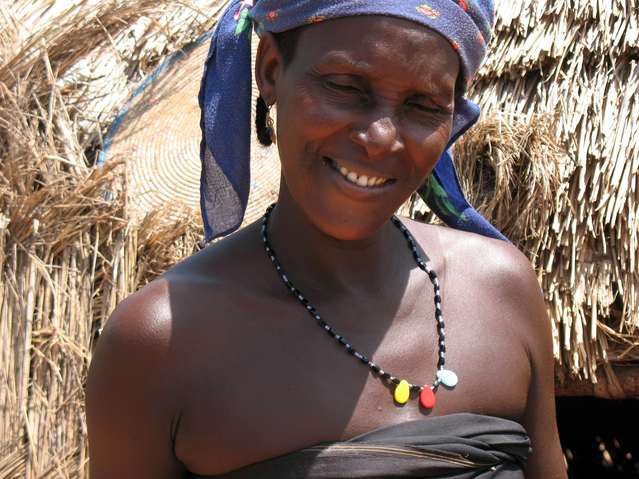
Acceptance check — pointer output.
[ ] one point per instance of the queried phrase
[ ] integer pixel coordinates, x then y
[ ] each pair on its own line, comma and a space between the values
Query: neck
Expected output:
330, 266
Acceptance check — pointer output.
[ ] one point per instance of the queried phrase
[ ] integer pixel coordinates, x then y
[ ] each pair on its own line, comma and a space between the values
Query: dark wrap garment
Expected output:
456, 446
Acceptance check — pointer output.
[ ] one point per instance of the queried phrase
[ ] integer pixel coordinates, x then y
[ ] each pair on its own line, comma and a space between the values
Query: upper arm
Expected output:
131, 406
546, 460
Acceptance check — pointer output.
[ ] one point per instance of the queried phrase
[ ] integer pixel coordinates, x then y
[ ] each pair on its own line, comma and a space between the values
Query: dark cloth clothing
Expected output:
459, 446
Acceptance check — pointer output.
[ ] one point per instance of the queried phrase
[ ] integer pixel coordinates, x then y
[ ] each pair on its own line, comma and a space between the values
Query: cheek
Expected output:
307, 117
435, 143
302, 126
427, 146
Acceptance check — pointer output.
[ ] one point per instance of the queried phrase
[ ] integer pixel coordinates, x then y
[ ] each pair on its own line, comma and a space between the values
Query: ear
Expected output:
268, 67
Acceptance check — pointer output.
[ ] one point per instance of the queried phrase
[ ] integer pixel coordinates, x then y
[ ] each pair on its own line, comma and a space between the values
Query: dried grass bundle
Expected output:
68, 252
516, 166
58, 226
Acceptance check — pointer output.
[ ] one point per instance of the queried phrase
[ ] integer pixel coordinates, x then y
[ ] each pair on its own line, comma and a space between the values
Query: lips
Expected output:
360, 179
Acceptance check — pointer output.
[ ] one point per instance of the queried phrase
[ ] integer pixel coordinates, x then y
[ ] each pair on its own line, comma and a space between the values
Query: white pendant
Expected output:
447, 378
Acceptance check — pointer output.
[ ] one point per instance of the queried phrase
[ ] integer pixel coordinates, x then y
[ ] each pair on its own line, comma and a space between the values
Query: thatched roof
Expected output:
560, 150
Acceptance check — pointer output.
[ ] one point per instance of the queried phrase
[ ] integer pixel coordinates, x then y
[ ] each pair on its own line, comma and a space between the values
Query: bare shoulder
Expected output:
504, 297
141, 328
140, 320
142, 368
143, 337
132, 411
495, 271
481, 254
148, 322
491, 263
151, 324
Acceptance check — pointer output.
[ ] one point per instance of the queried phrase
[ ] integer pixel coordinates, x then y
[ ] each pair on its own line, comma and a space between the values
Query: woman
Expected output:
217, 370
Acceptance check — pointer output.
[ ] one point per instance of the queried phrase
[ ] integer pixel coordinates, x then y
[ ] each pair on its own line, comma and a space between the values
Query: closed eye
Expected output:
432, 108
342, 87
426, 108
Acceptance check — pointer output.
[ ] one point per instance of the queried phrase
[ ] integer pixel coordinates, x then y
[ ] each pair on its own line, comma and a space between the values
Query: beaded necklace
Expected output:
403, 388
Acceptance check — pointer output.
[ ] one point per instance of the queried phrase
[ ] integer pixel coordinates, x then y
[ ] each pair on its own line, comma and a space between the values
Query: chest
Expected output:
272, 383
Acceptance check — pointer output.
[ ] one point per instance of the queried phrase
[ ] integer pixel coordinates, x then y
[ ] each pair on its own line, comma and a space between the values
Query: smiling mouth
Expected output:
358, 179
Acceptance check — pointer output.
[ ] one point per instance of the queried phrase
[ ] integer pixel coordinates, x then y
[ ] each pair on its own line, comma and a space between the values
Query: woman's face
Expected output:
364, 112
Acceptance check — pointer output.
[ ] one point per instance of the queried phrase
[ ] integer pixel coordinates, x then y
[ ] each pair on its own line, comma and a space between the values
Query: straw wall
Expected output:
68, 253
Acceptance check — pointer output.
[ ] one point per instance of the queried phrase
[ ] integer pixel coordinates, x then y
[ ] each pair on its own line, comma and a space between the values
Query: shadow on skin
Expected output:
258, 377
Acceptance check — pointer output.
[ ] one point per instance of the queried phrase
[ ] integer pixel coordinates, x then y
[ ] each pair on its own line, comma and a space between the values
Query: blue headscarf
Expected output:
225, 97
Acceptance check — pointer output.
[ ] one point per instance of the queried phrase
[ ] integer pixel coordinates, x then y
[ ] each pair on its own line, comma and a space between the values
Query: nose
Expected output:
379, 136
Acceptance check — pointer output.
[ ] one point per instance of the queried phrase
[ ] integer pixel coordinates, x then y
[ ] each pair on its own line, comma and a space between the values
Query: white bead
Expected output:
447, 378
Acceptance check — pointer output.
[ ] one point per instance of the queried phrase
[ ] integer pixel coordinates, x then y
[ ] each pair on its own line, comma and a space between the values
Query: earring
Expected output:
270, 124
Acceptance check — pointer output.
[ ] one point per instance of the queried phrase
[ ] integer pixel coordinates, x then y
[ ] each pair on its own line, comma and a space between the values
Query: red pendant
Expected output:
427, 398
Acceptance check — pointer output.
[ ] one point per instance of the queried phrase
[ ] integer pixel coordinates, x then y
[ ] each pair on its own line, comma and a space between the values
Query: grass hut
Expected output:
554, 163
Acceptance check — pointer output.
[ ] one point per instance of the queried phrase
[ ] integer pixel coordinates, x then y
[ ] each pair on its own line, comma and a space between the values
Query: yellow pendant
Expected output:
402, 392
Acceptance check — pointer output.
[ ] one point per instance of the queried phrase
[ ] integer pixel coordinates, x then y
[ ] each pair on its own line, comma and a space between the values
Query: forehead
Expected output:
383, 45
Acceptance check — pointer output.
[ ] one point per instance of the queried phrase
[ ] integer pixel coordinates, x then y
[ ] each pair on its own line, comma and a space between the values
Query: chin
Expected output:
337, 210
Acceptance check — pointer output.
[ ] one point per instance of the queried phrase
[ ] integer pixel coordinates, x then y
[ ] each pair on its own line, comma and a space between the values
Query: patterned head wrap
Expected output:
225, 97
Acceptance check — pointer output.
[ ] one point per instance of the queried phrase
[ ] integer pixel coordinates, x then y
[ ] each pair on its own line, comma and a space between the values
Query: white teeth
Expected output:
361, 180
